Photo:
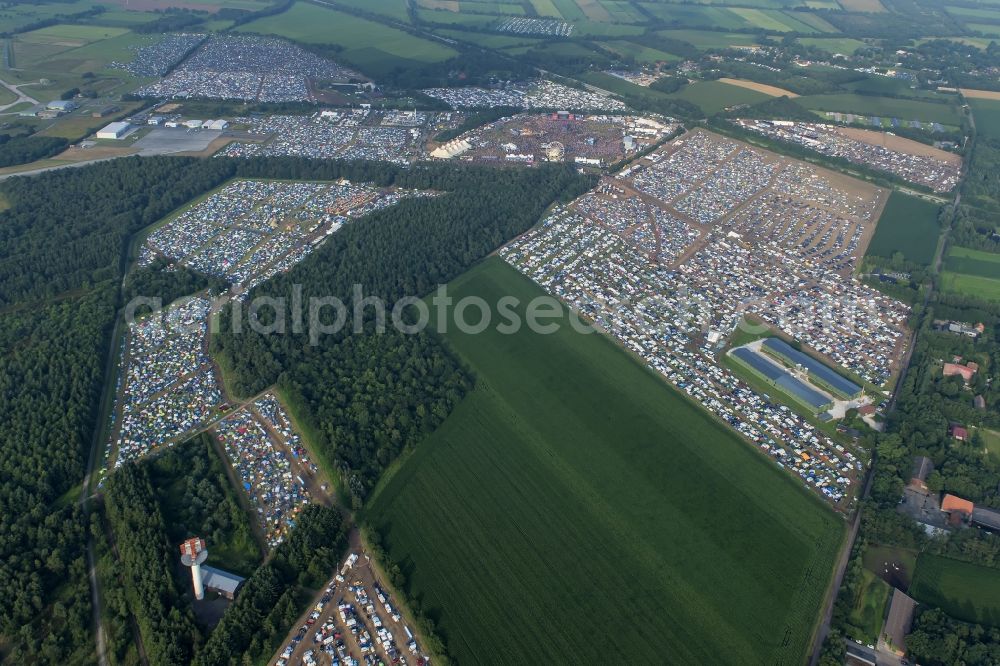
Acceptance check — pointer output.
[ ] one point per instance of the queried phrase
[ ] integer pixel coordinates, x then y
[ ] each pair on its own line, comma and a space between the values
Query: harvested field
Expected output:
899, 144
773, 91
980, 94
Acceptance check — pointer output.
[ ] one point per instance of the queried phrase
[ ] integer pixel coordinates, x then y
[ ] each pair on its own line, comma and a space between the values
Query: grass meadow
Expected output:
373, 47
967, 591
574, 506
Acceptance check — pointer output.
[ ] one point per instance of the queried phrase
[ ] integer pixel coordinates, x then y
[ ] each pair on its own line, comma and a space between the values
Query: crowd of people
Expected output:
784, 256
936, 172
248, 67
537, 94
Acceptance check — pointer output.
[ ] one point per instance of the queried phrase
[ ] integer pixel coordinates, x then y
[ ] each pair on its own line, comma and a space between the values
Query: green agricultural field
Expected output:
564, 9
973, 262
870, 602
967, 591
961, 13
622, 11
832, 45
908, 225
639, 52
696, 16
814, 21
970, 285
904, 109
454, 18
771, 20
986, 113
991, 440
991, 29
395, 9
373, 47
14, 16
574, 506
710, 39
713, 96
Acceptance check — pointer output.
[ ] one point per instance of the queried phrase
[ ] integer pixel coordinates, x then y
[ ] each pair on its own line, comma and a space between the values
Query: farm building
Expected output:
225, 583
779, 377
819, 373
966, 372
956, 507
113, 130
986, 518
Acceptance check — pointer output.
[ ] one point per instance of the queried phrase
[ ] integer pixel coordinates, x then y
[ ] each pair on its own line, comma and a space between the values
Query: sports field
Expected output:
368, 45
904, 109
967, 591
908, 225
986, 113
574, 508
844, 45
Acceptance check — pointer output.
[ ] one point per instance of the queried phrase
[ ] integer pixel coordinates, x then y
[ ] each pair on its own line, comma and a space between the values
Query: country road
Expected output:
824, 628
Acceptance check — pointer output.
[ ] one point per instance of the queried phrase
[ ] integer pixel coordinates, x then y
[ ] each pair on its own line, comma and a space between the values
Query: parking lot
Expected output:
354, 621
271, 464
164, 141
390, 136
167, 385
248, 67
672, 255
936, 169
537, 94
251, 230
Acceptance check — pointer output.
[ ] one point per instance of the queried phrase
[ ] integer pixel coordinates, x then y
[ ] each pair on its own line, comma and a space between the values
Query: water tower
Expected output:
193, 554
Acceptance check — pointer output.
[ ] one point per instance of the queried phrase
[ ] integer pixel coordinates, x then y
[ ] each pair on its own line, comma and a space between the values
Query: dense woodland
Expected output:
63, 250
61, 258
370, 395
167, 282
197, 499
148, 563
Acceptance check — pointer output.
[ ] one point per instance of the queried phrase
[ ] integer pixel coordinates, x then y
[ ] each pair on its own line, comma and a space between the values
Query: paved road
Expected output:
54, 167
21, 97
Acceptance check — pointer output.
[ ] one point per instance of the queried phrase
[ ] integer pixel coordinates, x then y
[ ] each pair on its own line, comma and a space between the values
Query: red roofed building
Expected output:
959, 433
966, 372
956, 505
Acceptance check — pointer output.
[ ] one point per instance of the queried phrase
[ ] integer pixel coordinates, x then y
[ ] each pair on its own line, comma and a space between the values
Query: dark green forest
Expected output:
147, 560
63, 253
370, 395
